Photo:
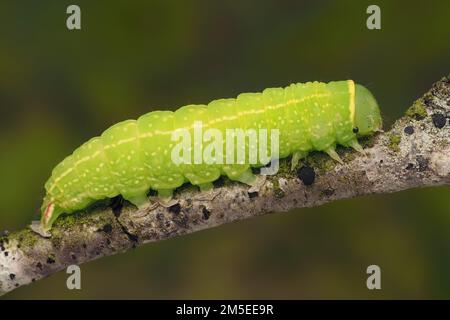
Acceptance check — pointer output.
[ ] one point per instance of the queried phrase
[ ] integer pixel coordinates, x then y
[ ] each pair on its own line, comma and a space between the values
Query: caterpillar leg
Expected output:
246, 177
165, 198
207, 192
356, 146
255, 182
165, 193
260, 181
333, 154
205, 187
296, 157
141, 200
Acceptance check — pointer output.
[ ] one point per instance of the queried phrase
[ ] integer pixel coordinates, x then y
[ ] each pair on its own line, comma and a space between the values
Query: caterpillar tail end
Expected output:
49, 214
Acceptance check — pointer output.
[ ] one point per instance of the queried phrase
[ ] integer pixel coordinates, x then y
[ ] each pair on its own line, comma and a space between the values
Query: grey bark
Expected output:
415, 152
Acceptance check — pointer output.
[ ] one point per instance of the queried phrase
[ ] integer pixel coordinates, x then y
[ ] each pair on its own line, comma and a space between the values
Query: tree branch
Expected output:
415, 152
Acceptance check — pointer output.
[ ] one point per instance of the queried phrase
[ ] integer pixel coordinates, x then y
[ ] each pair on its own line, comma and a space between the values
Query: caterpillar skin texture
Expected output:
134, 156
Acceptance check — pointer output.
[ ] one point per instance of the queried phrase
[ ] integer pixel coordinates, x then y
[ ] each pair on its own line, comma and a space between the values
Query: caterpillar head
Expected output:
367, 112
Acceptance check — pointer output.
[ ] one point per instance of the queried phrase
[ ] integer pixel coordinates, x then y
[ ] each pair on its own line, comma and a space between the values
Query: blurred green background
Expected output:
59, 87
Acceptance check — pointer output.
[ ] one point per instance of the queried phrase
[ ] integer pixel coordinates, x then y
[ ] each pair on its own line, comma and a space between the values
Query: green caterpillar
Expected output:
134, 156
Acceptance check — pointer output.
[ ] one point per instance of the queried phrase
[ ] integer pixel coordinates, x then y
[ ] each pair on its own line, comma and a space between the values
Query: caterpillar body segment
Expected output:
133, 156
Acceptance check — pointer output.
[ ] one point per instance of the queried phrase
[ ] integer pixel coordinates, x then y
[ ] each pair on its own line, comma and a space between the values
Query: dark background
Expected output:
59, 87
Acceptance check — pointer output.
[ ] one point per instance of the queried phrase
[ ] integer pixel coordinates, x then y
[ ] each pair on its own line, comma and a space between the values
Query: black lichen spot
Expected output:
253, 194
84, 245
39, 265
328, 192
74, 257
16, 285
108, 242
175, 209
6, 253
33, 280
107, 228
12, 276
50, 260
355, 130
159, 216
438, 120
409, 130
133, 238
307, 175
423, 162
409, 166
428, 101
206, 213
